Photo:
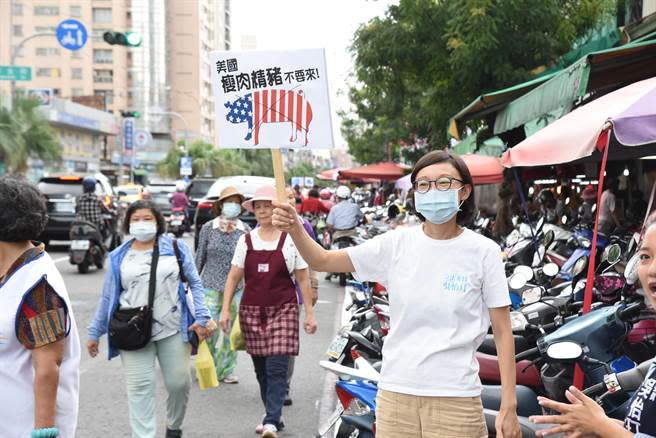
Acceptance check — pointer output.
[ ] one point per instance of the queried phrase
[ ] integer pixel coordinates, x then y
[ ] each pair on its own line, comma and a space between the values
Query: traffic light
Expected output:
130, 39
135, 114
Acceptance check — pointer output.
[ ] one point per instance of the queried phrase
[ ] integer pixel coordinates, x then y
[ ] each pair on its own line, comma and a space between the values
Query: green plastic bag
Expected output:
237, 341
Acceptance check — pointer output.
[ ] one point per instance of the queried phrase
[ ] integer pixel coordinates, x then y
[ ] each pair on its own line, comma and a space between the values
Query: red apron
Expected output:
268, 313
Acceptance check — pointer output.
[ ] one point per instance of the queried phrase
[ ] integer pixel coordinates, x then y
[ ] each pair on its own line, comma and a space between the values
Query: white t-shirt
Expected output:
607, 206
439, 292
293, 259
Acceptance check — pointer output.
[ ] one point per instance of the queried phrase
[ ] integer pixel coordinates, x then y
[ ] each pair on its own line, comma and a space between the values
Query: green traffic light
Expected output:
133, 39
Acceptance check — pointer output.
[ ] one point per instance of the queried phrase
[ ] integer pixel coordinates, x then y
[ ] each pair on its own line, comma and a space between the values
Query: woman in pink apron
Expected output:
269, 312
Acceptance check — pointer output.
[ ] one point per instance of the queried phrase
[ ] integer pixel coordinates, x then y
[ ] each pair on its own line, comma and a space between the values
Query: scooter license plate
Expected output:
176, 223
331, 421
337, 347
80, 244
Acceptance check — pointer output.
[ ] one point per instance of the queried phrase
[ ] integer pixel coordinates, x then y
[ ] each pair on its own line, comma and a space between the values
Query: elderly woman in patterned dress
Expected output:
216, 246
269, 263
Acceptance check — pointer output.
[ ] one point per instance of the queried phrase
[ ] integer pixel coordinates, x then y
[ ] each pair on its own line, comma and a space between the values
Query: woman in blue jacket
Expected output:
126, 286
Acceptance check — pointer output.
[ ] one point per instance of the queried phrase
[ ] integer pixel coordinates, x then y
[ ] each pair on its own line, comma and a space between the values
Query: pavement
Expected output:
229, 411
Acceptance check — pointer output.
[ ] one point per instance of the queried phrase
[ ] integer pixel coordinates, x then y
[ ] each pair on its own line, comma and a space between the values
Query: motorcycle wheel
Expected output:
83, 267
342, 279
100, 263
179, 233
347, 431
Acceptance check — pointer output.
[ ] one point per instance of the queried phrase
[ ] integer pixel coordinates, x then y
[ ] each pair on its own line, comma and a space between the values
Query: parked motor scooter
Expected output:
87, 247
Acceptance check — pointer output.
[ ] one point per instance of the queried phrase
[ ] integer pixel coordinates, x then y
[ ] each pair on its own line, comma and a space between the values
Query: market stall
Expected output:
385, 171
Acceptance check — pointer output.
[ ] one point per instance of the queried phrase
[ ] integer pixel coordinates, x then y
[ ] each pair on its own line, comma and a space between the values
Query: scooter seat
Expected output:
490, 347
528, 429
527, 372
527, 400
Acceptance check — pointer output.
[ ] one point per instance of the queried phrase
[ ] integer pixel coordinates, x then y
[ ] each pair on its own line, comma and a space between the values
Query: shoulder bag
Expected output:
130, 329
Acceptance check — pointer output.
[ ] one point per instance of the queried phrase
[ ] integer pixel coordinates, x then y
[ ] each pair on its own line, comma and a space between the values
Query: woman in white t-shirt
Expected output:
445, 284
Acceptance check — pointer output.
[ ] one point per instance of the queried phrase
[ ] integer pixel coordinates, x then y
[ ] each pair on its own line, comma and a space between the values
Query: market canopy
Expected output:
330, 174
380, 171
492, 146
484, 170
595, 72
629, 111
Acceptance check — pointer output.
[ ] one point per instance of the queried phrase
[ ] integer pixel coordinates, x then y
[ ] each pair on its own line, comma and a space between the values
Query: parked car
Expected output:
246, 185
160, 194
60, 193
196, 191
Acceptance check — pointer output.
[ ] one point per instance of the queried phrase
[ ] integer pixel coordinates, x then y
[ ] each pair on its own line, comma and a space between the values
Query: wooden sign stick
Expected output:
279, 174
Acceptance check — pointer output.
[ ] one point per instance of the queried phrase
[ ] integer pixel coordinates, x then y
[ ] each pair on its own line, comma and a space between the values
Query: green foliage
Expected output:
25, 133
425, 59
302, 169
206, 160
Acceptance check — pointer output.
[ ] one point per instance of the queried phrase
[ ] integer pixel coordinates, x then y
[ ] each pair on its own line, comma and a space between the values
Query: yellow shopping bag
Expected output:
236, 339
205, 370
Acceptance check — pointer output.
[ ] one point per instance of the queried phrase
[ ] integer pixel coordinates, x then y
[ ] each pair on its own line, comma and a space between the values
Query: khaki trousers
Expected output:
410, 416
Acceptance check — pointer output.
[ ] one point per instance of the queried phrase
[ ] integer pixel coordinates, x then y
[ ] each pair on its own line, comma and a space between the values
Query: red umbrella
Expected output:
330, 175
484, 169
380, 171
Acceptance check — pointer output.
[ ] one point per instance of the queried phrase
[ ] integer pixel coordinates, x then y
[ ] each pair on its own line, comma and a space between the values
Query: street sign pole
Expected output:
12, 62
128, 143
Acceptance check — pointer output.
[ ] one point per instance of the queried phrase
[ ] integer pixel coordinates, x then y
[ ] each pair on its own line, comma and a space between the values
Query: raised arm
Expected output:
286, 219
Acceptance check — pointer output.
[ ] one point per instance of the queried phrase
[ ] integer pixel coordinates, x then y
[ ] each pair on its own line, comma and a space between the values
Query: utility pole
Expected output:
12, 62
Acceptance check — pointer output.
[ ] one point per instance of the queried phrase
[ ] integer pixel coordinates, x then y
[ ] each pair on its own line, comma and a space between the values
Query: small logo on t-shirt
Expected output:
263, 267
455, 283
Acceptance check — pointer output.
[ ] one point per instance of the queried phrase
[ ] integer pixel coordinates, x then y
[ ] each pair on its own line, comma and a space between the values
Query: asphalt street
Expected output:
230, 411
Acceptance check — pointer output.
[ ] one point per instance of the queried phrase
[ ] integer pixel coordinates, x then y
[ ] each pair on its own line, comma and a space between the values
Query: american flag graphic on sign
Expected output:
271, 106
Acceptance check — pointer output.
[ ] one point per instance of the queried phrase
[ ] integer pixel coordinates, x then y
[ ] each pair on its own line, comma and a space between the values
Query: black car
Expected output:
160, 195
246, 185
196, 191
60, 193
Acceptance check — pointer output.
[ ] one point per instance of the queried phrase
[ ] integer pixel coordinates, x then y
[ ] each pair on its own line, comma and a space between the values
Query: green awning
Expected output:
603, 70
140, 172
493, 147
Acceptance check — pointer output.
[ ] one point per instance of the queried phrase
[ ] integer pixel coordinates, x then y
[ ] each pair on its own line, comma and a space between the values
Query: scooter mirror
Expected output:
548, 238
524, 271
613, 253
564, 351
580, 265
531, 296
517, 281
563, 220
550, 269
631, 270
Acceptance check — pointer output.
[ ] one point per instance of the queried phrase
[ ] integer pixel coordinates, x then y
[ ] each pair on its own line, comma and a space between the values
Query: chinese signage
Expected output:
272, 99
14, 73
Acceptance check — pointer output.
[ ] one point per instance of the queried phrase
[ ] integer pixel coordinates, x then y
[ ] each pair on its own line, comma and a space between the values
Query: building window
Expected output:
76, 73
102, 15
75, 11
76, 54
77, 92
98, 35
17, 9
18, 30
49, 72
46, 10
47, 51
109, 95
102, 56
45, 29
103, 76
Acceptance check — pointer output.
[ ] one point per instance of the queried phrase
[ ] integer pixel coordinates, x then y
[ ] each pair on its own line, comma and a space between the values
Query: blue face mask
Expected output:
230, 210
436, 206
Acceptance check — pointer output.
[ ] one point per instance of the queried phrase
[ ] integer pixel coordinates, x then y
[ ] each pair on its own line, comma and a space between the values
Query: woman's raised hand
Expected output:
284, 216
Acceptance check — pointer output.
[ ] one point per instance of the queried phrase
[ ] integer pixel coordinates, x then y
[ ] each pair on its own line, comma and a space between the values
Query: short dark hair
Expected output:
468, 209
144, 205
23, 215
313, 193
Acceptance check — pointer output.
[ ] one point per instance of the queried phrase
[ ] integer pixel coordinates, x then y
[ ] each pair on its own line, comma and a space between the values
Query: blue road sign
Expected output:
71, 34
128, 134
185, 166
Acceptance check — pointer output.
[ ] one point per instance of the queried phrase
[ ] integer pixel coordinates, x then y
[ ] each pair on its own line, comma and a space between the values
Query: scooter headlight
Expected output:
356, 408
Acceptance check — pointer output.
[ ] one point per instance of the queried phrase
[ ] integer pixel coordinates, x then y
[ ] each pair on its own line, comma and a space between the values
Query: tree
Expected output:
207, 160
303, 169
25, 133
426, 59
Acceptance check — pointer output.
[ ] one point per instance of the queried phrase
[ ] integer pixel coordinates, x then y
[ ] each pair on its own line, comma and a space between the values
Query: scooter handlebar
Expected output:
527, 354
629, 311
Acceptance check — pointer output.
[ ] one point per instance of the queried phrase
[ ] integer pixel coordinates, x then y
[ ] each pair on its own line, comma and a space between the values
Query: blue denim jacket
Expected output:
111, 291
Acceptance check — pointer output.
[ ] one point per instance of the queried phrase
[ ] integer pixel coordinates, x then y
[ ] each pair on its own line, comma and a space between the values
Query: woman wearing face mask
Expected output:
584, 417
216, 246
445, 285
269, 263
126, 286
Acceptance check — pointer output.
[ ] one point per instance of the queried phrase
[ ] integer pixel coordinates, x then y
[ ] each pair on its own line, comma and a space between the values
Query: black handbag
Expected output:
130, 329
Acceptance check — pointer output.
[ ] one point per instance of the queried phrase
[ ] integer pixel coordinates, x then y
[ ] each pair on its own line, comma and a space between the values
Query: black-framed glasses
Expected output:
442, 184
